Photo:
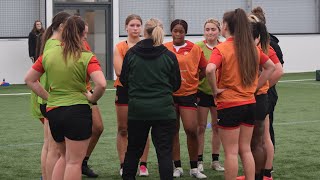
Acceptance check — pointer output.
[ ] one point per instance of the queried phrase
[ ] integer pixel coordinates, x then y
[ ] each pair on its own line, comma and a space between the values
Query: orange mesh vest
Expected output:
264, 89
122, 48
189, 69
229, 79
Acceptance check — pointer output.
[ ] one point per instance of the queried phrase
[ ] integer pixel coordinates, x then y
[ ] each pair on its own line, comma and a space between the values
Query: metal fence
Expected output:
283, 16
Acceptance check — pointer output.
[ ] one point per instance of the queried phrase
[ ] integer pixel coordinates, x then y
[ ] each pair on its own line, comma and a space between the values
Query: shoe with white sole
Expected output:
215, 165
121, 171
143, 171
177, 172
200, 166
197, 174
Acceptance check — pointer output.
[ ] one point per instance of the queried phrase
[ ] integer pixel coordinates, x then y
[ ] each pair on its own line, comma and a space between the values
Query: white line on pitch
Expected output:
14, 94
297, 80
19, 94
296, 122
283, 81
303, 82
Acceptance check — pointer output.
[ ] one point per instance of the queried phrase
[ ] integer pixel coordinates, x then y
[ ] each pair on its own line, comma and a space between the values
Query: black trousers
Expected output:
162, 137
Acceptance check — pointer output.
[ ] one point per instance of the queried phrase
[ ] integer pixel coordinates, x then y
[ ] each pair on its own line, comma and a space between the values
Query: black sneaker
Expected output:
88, 172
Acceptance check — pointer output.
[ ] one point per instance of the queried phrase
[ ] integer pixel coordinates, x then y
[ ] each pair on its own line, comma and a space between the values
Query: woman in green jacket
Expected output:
150, 72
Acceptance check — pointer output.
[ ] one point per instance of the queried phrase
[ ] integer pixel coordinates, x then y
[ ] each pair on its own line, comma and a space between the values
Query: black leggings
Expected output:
162, 137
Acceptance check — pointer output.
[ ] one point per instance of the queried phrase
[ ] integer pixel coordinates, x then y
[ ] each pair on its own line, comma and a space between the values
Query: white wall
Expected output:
15, 60
300, 53
116, 23
49, 12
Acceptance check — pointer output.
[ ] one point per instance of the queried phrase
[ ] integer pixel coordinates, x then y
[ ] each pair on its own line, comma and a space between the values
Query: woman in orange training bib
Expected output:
237, 60
191, 60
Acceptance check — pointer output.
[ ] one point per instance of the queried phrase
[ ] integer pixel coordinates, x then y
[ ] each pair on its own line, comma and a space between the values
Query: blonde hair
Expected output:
154, 29
213, 21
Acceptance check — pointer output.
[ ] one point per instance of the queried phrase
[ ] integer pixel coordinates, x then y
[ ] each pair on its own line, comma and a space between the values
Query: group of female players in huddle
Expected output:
229, 79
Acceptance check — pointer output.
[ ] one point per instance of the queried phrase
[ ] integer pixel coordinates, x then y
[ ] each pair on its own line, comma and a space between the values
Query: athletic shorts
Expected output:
187, 102
73, 122
261, 106
122, 98
231, 118
205, 100
43, 109
96, 103
272, 99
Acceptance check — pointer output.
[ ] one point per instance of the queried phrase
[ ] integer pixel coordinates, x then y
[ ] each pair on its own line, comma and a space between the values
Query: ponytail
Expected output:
245, 49
72, 38
154, 29
157, 36
264, 37
260, 29
58, 19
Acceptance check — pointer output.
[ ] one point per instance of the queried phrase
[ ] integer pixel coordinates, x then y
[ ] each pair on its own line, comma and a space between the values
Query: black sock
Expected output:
267, 172
121, 165
177, 163
258, 176
200, 157
85, 161
194, 164
215, 157
143, 164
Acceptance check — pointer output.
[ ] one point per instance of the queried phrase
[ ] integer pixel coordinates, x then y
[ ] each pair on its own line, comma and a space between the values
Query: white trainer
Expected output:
177, 172
215, 165
200, 166
121, 172
197, 174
